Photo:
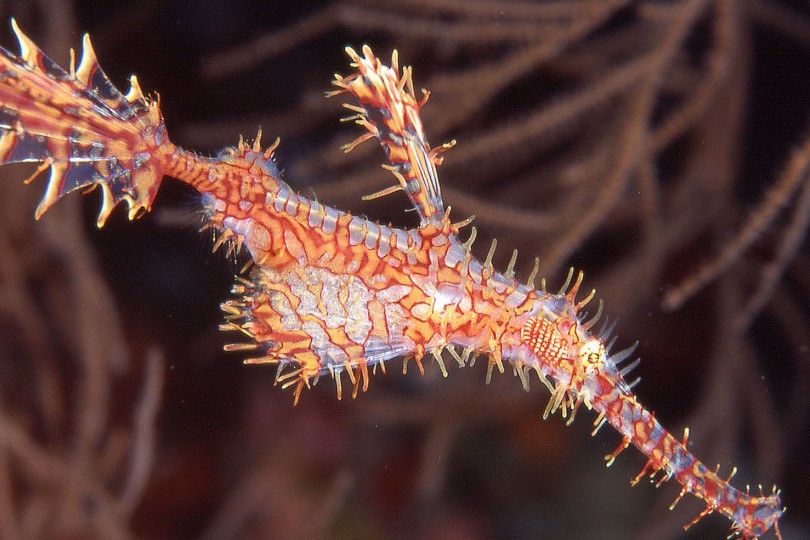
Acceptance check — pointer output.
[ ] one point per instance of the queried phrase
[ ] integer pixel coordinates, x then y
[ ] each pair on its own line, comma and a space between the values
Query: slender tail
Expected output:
751, 516
78, 125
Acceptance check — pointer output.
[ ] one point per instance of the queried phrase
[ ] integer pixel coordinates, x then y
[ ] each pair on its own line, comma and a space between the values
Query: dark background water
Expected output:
557, 158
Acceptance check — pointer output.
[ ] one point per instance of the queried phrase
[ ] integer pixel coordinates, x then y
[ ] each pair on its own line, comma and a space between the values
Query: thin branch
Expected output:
773, 271
145, 427
774, 201
782, 19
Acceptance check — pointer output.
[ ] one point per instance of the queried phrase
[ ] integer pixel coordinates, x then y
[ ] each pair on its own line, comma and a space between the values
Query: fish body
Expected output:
331, 293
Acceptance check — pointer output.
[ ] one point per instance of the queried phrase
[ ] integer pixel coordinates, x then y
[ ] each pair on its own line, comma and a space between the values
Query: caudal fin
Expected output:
78, 125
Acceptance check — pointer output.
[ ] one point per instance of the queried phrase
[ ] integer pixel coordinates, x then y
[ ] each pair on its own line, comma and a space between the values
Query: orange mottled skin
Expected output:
283, 243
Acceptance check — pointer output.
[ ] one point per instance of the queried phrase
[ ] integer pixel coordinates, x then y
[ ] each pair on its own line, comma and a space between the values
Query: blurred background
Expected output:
662, 146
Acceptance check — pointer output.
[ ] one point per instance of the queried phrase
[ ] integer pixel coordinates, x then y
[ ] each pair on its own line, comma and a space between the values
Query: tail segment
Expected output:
584, 372
751, 516
81, 127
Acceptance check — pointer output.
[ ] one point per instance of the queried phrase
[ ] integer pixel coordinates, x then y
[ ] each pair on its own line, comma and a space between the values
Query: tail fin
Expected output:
81, 127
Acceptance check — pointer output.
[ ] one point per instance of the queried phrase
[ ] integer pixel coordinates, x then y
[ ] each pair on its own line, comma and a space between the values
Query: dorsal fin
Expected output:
389, 110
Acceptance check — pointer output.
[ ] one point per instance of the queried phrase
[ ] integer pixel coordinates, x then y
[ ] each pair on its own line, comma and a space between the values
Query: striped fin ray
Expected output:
79, 125
389, 111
